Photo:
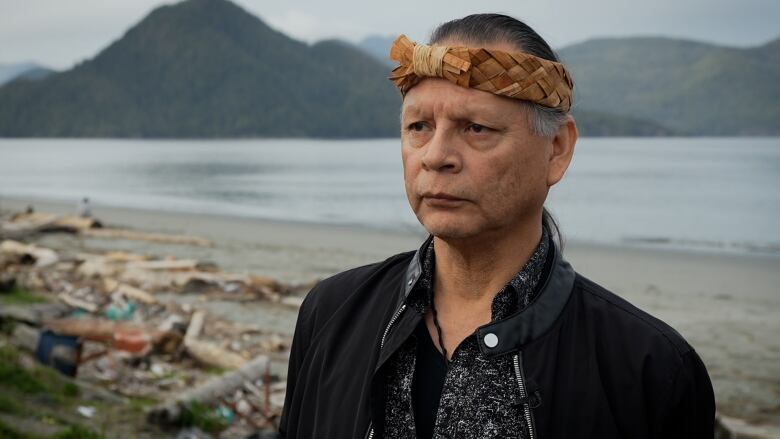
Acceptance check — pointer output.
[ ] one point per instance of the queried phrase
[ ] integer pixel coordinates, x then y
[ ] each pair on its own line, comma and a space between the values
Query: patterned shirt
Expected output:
480, 395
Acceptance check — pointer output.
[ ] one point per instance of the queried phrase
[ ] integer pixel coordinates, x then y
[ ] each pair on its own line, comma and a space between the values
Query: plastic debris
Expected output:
86, 411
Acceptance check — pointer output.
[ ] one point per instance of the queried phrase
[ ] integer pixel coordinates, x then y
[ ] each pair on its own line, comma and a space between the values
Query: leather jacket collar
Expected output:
520, 328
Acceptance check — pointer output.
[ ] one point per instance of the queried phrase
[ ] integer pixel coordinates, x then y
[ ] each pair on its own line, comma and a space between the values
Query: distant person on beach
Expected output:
83, 209
486, 331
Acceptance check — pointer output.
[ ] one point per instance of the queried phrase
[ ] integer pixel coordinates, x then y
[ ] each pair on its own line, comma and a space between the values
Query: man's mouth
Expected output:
441, 199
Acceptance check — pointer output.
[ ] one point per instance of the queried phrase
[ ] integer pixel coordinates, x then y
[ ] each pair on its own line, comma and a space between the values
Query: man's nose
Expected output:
440, 153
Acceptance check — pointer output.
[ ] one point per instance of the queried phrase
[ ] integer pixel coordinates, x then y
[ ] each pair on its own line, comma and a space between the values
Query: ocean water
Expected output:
719, 194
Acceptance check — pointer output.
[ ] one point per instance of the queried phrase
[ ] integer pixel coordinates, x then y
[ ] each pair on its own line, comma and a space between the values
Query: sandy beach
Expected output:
726, 305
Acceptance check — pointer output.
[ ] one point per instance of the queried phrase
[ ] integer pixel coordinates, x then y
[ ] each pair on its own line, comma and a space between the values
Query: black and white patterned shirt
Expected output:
480, 394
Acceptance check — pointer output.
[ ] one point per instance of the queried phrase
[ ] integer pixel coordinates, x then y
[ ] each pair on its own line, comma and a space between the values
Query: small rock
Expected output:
86, 411
243, 407
158, 369
192, 433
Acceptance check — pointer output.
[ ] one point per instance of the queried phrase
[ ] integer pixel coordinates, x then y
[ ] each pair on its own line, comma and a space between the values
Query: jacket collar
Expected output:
520, 328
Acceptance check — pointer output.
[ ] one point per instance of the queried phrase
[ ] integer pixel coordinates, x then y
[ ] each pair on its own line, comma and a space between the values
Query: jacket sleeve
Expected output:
298, 350
690, 409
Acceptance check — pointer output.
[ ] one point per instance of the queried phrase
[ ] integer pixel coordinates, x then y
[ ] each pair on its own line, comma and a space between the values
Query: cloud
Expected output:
310, 28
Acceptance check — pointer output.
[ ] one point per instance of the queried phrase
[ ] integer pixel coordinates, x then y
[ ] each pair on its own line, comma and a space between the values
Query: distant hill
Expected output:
207, 68
600, 124
692, 88
27, 70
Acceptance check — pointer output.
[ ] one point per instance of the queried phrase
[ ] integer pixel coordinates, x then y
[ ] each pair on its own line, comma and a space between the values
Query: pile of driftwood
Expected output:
26, 225
132, 342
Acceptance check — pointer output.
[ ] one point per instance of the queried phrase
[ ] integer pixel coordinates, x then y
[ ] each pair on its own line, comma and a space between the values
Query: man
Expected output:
83, 208
485, 331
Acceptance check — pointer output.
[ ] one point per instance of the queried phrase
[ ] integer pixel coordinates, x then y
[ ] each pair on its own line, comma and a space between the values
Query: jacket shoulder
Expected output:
621, 315
330, 293
333, 287
638, 351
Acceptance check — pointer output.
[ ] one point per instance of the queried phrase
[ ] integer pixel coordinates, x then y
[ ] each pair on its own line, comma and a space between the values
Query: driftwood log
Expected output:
170, 412
208, 353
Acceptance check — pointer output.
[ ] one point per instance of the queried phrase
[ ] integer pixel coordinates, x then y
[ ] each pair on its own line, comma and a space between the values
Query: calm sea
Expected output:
721, 194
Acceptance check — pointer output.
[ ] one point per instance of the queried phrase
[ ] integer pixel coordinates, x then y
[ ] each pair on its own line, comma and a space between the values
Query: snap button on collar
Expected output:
491, 340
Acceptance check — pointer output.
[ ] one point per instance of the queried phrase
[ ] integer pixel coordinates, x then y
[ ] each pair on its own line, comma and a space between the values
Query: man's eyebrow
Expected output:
411, 109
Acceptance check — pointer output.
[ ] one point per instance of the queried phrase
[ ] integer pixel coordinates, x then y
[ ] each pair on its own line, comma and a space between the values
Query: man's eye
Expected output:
477, 128
416, 126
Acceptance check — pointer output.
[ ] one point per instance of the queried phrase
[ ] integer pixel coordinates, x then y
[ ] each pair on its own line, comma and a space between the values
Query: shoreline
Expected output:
725, 304
151, 217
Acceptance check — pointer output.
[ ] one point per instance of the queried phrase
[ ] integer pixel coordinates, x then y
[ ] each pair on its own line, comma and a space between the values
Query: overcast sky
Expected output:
59, 33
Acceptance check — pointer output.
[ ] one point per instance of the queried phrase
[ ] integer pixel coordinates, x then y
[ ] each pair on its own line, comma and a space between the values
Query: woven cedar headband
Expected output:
515, 75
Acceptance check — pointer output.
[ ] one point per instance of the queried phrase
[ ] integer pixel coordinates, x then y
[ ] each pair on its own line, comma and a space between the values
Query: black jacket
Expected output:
592, 364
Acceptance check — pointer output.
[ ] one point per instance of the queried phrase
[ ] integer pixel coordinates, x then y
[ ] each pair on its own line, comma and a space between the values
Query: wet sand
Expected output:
726, 305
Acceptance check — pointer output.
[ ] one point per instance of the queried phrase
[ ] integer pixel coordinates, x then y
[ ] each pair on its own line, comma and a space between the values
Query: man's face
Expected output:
471, 161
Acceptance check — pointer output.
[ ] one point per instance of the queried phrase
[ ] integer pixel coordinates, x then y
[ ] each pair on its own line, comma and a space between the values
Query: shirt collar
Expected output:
516, 294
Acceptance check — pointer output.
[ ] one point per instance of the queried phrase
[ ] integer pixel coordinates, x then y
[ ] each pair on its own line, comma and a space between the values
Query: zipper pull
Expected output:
533, 400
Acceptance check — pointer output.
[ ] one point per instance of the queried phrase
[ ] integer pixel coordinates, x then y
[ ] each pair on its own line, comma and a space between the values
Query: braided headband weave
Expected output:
515, 75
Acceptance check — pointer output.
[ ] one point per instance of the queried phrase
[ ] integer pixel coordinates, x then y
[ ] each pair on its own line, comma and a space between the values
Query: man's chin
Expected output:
450, 229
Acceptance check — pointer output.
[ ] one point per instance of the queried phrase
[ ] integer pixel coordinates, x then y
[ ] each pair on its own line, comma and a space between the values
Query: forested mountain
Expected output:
207, 68
689, 87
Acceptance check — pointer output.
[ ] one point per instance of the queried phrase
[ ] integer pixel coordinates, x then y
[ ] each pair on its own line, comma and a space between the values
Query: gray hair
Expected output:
483, 29
545, 121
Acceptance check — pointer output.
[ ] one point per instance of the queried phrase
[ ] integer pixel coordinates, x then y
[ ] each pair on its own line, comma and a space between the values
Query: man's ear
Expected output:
562, 150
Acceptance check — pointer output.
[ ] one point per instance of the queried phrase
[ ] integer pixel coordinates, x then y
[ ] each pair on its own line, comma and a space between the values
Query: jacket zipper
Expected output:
390, 325
370, 432
529, 417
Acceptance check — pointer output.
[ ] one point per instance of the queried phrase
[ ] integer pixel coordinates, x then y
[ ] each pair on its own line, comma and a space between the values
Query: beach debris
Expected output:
100, 266
172, 321
27, 224
197, 320
212, 355
86, 411
108, 318
159, 238
131, 292
124, 336
265, 282
210, 392
75, 224
292, 301
225, 413
132, 340
209, 353
192, 433
33, 314
120, 310
76, 302
61, 352
243, 407
28, 253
